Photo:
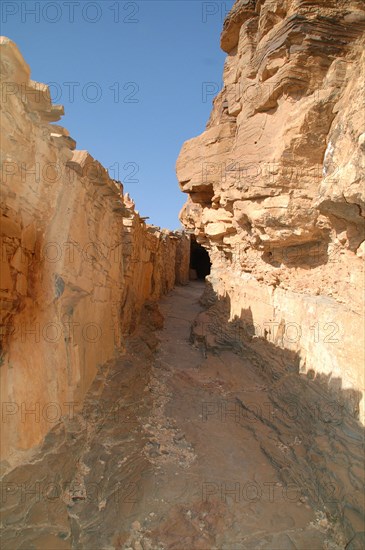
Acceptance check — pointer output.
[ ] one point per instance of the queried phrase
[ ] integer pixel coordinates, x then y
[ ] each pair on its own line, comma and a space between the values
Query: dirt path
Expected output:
181, 449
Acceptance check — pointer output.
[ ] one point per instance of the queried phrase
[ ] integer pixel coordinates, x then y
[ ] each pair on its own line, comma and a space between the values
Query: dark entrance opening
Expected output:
199, 260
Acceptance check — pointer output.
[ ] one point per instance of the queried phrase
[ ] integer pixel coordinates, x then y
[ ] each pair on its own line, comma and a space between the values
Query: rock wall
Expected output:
276, 183
77, 263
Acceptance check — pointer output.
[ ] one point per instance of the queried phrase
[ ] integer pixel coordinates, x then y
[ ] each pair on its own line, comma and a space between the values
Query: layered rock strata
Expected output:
276, 183
77, 265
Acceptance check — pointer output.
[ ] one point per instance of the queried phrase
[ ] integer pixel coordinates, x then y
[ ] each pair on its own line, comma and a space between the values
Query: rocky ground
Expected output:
183, 445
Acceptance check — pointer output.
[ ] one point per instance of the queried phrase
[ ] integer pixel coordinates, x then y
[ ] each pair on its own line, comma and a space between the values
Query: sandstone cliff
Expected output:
276, 183
77, 265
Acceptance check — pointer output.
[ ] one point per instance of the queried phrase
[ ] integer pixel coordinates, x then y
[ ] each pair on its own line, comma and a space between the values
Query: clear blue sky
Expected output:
131, 77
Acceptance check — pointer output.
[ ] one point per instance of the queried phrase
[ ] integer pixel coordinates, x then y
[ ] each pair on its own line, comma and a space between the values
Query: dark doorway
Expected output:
199, 259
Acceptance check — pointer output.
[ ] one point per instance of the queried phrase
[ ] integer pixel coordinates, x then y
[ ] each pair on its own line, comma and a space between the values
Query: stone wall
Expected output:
276, 182
77, 263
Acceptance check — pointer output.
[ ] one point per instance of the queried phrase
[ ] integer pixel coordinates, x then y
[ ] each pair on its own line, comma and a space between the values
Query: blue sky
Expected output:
132, 77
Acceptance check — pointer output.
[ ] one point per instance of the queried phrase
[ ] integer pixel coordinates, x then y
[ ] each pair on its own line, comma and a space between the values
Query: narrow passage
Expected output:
180, 448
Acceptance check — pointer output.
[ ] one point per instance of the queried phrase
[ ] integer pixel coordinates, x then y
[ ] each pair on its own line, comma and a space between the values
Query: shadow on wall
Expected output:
306, 423
200, 263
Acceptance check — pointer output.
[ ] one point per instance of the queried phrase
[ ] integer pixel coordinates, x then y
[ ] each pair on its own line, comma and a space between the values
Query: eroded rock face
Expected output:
276, 181
175, 448
77, 265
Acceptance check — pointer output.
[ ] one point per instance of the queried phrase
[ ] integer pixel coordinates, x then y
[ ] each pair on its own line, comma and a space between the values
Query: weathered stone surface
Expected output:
276, 181
78, 262
177, 447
